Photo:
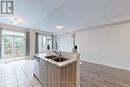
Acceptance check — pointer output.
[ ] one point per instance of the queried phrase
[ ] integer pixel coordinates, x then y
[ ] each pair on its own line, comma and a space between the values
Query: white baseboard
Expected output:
123, 68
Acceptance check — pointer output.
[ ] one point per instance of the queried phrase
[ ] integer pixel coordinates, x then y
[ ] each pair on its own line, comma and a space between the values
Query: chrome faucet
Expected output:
59, 53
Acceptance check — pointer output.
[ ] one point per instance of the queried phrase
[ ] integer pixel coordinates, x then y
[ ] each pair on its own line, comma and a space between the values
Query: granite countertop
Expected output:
59, 64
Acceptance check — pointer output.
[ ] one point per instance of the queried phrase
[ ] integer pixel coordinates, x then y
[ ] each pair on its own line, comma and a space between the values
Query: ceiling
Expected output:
71, 14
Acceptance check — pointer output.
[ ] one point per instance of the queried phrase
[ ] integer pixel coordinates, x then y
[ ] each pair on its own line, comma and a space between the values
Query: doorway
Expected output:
13, 44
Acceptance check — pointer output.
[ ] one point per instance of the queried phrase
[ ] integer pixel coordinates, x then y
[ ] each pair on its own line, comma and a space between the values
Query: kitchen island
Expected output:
57, 69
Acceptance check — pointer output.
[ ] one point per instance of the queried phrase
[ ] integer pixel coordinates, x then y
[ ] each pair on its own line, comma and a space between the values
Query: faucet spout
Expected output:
59, 53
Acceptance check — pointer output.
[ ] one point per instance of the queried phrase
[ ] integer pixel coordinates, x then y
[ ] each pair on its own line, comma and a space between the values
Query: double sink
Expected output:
56, 58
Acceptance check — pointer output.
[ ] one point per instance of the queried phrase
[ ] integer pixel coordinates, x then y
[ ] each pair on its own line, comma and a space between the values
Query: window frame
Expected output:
42, 47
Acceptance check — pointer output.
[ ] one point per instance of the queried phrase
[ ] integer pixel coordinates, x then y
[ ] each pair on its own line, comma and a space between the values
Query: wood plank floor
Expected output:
94, 75
20, 74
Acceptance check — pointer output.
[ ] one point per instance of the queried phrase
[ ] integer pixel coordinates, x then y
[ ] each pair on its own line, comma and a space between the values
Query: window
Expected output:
44, 42
39, 43
49, 41
13, 44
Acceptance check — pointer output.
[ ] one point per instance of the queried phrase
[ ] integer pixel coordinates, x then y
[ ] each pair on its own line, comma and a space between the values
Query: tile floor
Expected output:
18, 74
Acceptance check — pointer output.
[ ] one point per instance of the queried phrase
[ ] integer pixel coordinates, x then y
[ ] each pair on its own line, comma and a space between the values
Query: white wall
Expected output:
109, 45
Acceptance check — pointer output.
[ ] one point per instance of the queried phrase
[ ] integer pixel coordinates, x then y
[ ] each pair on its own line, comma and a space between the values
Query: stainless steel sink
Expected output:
56, 58
60, 59
50, 57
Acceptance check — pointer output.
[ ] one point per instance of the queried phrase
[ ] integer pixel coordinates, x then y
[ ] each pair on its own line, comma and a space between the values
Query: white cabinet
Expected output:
36, 65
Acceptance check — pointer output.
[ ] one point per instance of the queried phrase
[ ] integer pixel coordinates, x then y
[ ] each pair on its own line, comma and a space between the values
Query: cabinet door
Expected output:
36, 68
68, 75
53, 76
43, 73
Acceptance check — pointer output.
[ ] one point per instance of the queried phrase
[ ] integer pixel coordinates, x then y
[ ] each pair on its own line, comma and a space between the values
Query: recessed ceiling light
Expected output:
59, 27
